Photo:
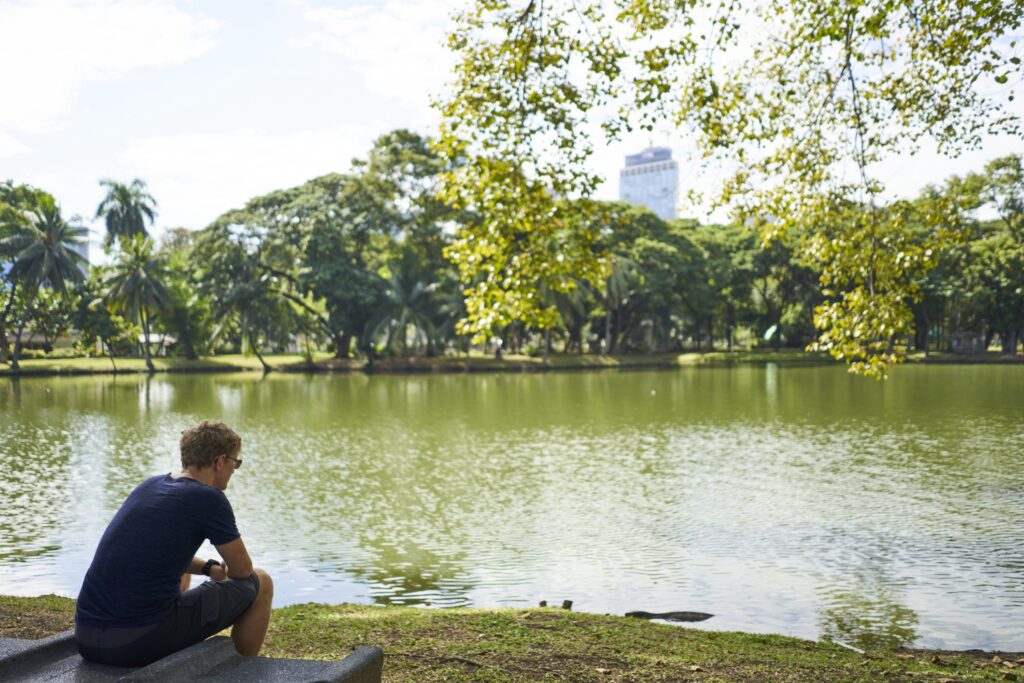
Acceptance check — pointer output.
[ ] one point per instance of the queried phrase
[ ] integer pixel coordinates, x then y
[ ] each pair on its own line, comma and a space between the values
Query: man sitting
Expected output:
131, 609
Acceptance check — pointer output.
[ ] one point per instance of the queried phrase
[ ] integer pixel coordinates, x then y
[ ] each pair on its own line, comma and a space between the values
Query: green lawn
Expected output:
226, 363
455, 363
474, 362
556, 645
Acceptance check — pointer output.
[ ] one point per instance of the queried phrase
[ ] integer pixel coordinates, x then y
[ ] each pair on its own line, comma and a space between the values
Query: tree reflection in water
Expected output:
875, 622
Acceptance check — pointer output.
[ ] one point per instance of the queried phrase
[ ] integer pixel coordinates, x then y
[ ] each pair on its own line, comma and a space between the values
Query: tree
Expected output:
188, 314
345, 253
43, 256
51, 316
407, 307
136, 286
409, 171
16, 204
1000, 263
125, 210
658, 280
327, 240
729, 251
232, 276
785, 294
95, 321
801, 100
1003, 189
995, 276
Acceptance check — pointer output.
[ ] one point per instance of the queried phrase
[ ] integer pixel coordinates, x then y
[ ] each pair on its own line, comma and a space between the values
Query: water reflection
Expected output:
793, 500
872, 620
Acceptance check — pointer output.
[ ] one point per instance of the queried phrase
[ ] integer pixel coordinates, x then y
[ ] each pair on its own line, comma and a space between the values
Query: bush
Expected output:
40, 354
66, 353
534, 351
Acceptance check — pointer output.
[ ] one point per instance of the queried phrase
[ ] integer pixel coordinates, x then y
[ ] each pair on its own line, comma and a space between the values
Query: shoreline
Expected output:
325, 364
514, 644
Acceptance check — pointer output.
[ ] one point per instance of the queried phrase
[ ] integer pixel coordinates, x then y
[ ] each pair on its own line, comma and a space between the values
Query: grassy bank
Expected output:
557, 645
475, 362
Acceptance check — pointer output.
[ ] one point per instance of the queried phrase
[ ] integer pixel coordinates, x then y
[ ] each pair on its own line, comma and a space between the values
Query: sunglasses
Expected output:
238, 461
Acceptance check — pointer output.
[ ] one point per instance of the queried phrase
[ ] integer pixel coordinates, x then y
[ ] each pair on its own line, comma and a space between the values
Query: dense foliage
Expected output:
795, 102
366, 263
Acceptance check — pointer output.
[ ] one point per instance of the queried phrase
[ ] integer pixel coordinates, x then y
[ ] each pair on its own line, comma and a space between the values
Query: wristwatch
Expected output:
209, 564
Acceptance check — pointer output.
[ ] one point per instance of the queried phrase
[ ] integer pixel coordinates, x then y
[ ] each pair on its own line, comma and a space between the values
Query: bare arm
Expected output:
195, 566
236, 558
217, 573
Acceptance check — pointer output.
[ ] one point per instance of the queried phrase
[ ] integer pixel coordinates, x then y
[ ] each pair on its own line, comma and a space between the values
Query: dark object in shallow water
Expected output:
672, 616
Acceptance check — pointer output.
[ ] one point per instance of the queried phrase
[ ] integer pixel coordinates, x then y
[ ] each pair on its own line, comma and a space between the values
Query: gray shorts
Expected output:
200, 612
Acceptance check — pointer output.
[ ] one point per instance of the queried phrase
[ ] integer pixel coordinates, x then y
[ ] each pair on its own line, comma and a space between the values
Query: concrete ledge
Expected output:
56, 659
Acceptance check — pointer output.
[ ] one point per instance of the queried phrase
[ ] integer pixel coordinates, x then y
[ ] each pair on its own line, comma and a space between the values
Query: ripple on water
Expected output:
801, 501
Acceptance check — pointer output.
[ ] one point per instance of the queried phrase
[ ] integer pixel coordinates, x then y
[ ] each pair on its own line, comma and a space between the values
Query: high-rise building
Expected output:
83, 250
651, 179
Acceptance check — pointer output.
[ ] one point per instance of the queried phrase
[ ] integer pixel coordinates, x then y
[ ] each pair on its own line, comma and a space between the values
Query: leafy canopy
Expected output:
795, 99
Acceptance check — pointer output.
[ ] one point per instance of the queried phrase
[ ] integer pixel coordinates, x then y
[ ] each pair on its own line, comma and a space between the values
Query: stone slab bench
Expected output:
56, 659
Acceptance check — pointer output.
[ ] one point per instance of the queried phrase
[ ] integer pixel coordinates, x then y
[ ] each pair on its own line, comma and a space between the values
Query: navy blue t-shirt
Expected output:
134, 577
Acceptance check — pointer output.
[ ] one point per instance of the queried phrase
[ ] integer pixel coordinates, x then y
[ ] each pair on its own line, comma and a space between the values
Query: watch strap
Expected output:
209, 565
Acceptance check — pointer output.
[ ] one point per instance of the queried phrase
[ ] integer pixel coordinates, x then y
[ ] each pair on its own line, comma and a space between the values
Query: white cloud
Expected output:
10, 147
396, 46
52, 48
197, 176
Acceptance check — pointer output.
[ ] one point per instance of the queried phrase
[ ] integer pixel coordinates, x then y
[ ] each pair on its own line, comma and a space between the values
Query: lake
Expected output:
794, 500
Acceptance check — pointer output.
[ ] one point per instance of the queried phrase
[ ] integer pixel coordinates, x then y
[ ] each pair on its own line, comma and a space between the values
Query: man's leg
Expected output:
250, 629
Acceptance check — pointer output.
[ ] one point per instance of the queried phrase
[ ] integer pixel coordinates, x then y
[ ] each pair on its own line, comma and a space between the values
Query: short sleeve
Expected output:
219, 525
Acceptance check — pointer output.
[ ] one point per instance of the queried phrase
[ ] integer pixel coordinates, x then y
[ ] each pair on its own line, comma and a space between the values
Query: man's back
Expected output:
134, 577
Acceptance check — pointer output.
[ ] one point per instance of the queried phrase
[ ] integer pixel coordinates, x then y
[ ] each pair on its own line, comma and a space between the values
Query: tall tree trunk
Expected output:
607, 330
256, 350
616, 333
3, 322
17, 341
342, 344
21, 328
1009, 342
110, 352
922, 332
187, 347
145, 333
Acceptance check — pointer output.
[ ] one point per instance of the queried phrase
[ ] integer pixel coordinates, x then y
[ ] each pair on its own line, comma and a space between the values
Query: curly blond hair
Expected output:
204, 442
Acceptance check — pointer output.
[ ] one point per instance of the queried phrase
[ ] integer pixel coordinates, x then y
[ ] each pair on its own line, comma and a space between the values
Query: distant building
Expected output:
83, 250
651, 179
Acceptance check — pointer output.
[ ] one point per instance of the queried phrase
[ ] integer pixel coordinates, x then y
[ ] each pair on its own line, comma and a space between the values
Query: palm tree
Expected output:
42, 255
618, 288
125, 210
136, 285
408, 303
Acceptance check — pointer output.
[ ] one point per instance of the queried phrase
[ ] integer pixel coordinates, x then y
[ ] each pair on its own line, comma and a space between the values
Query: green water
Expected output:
786, 500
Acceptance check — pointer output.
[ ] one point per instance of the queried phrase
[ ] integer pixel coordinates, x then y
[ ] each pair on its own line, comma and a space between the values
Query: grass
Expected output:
557, 645
474, 362
224, 363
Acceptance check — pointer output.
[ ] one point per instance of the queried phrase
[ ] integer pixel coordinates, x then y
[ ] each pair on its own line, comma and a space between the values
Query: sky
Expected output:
215, 102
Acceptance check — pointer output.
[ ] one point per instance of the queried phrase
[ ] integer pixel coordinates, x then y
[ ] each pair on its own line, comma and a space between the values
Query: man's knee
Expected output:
266, 585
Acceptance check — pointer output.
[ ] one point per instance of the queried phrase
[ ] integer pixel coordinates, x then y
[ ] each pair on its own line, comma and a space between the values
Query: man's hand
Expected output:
219, 573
